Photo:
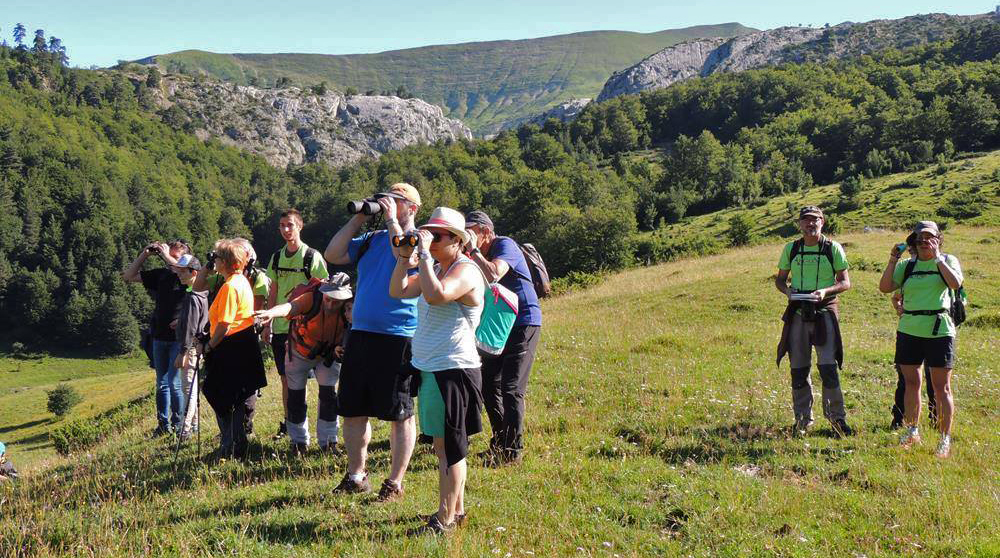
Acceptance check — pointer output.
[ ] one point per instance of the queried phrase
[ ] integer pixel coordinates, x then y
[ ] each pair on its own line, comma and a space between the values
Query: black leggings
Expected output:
898, 405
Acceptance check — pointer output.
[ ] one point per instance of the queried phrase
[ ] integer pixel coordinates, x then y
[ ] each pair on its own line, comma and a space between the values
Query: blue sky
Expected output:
101, 32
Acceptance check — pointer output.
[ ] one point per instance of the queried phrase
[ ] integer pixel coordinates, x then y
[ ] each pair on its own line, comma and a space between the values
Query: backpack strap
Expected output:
307, 260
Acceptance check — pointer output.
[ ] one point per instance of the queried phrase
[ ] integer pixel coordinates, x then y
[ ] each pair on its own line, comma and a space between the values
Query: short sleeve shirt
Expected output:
168, 293
518, 280
925, 292
288, 280
374, 310
233, 305
811, 270
260, 286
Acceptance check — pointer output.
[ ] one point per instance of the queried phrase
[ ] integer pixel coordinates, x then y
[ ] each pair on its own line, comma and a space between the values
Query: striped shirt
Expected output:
446, 334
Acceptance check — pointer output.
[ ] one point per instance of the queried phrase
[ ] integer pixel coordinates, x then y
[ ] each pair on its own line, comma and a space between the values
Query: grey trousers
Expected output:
296, 373
800, 356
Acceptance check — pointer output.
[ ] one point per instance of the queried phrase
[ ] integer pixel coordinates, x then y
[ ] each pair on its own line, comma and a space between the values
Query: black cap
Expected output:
478, 218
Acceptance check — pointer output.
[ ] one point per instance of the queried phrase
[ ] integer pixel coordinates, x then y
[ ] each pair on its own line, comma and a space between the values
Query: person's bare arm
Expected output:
492, 269
220, 332
402, 284
453, 286
886, 283
843, 283
131, 274
781, 281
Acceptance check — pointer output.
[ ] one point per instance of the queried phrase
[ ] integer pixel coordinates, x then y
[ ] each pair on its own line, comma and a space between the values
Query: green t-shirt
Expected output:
811, 270
288, 280
925, 292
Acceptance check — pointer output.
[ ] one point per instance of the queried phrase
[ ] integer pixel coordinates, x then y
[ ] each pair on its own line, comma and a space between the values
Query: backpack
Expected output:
307, 261
958, 298
536, 266
497, 319
825, 248
313, 333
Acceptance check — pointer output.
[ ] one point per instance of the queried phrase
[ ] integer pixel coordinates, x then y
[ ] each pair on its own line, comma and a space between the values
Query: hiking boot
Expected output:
159, 431
349, 486
944, 447
332, 449
841, 429
299, 450
435, 527
909, 437
282, 431
801, 427
896, 424
390, 491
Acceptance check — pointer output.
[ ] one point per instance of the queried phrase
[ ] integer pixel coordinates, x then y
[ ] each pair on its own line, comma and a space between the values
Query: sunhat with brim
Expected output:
448, 219
337, 286
921, 227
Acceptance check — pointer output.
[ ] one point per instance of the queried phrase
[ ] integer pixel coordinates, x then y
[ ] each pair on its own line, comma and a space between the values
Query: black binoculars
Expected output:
409, 239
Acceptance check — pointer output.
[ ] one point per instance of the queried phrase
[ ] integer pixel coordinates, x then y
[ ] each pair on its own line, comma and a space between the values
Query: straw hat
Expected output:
448, 219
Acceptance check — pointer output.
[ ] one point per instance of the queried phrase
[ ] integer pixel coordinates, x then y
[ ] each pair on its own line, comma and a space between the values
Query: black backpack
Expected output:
958, 297
825, 248
307, 261
536, 266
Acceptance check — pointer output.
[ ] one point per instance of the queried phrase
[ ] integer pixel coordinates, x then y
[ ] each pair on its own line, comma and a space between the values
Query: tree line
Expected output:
91, 170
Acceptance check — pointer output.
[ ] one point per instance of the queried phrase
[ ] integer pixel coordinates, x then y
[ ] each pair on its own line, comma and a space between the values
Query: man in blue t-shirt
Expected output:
505, 376
374, 380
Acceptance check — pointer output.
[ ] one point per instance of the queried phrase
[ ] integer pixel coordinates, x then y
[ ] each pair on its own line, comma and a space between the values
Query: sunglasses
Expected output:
439, 236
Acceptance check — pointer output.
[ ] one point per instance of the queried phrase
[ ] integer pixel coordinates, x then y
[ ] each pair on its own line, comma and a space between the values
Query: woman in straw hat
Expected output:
444, 348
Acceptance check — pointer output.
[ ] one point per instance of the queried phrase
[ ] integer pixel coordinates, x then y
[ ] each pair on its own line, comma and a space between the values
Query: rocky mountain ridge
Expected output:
291, 126
703, 57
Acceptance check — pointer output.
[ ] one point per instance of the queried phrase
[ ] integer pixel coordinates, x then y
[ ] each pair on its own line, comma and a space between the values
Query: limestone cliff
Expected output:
293, 126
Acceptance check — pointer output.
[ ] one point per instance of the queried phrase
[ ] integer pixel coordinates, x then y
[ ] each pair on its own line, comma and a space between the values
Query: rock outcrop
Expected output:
293, 126
703, 57
563, 111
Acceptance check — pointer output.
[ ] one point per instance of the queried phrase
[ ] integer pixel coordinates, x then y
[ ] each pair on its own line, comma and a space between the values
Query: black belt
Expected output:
937, 322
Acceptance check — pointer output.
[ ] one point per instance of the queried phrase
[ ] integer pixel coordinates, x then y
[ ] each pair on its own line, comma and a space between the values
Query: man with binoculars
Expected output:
818, 270
374, 379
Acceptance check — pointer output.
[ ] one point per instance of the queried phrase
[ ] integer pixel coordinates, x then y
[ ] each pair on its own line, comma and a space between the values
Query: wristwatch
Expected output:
474, 251
941, 259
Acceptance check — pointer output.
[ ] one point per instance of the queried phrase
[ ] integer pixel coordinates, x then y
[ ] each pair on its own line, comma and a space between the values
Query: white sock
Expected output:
356, 477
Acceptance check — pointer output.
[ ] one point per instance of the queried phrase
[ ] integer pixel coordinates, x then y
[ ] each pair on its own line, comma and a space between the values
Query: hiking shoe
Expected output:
159, 431
282, 431
435, 527
299, 450
349, 486
801, 427
896, 424
841, 429
944, 447
390, 491
332, 449
909, 436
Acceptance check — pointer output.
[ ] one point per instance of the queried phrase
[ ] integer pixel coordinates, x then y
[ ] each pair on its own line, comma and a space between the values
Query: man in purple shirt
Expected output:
505, 376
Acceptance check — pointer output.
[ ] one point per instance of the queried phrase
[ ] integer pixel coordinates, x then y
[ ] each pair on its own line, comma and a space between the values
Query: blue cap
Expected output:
3, 448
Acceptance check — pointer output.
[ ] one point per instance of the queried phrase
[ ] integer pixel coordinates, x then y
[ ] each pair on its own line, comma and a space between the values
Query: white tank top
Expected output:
446, 333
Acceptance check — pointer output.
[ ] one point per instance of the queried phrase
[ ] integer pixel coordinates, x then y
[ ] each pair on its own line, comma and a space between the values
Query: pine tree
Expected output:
119, 331
19, 33
39, 44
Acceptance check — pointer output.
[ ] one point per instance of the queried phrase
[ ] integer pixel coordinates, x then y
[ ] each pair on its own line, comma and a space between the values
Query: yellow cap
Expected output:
407, 191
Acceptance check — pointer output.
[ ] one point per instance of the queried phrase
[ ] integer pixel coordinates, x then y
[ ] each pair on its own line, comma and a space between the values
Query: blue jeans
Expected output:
169, 398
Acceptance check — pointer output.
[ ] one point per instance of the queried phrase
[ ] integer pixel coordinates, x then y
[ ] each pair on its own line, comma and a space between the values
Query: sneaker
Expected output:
841, 429
801, 427
434, 526
390, 491
349, 486
909, 437
944, 447
282, 431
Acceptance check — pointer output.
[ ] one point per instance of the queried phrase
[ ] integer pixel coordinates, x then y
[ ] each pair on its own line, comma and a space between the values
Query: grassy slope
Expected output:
657, 426
483, 83
26, 423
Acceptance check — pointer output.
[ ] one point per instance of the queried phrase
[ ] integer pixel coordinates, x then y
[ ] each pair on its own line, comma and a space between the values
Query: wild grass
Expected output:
658, 424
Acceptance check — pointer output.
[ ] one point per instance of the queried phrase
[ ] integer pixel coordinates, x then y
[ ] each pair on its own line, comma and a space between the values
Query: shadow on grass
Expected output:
724, 443
28, 424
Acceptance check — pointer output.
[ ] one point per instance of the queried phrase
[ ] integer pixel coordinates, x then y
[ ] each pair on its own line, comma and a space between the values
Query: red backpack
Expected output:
316, 332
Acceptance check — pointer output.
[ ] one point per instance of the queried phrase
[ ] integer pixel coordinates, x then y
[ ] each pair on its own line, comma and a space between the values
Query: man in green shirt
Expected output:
287, 269
817, 269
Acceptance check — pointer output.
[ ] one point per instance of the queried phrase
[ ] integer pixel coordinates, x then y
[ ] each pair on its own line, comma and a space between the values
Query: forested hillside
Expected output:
486, 84
89, 175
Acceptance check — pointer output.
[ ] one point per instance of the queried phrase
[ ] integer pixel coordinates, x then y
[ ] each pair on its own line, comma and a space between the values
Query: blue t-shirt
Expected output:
517, 279
374, 310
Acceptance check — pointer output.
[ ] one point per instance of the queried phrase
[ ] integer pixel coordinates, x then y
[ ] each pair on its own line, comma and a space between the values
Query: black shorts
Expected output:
375, 377
935, 352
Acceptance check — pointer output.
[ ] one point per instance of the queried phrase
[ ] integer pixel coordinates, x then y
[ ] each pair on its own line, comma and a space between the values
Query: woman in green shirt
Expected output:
926, 332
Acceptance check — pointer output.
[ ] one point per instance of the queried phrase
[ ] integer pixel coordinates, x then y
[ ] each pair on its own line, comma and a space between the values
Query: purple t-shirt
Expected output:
517, 279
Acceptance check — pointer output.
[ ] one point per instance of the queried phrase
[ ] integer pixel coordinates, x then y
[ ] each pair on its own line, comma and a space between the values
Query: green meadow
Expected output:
658, 425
